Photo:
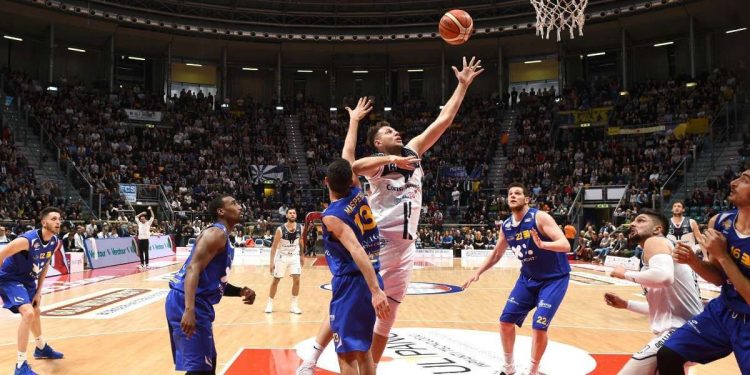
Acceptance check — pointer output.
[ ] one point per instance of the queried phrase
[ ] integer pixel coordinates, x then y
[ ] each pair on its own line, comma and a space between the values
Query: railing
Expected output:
575, 208
669, 183
164, 203
72, 173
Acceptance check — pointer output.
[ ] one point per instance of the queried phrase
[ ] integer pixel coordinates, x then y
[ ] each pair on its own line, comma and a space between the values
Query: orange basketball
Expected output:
456, 26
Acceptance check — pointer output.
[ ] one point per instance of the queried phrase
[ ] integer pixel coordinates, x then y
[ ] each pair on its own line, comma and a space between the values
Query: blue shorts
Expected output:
545, 295
197, 353
15, 294
352, 314
715, 333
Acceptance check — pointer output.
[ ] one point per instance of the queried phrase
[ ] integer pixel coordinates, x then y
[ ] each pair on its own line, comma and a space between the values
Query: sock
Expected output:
21, 359
40, 342
534, 368
270, 300
294, 300
508, 359
317, 351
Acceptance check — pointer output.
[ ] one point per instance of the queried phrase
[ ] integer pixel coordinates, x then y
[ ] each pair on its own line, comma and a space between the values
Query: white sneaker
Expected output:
295, 309
508, 370
140, 267
306, 368
269, 307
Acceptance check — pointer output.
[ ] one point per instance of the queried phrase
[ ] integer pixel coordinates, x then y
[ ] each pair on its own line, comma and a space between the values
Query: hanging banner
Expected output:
627, 131
129, 191
593, 116
453, 172
140, 115
263, 173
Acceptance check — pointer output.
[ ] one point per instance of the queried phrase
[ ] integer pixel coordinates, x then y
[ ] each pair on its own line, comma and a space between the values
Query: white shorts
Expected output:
644, 361
396, 264
286, 264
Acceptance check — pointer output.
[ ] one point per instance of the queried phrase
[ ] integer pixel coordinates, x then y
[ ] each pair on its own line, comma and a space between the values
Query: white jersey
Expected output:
396, 200
673, 306
289, 242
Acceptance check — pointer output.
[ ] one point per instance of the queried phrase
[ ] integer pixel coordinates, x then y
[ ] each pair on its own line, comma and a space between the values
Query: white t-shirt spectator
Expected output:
144, 229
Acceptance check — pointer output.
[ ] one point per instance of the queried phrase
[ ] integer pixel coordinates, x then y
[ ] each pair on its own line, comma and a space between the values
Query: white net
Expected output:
558, 15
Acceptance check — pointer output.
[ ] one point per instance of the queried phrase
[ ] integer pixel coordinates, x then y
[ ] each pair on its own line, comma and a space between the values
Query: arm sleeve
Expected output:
659, 275
638, 306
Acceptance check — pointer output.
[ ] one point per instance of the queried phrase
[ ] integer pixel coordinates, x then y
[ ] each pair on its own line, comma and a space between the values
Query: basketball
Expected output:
456, 26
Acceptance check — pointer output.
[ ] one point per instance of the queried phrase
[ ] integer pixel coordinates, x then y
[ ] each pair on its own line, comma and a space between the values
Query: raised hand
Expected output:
469, 71
364, 106
408, 163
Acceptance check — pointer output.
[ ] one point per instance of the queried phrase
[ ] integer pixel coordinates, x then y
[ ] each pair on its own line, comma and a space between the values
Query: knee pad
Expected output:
670, 362
383, 327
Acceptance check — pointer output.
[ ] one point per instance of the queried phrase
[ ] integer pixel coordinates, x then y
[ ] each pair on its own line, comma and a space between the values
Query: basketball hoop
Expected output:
559, 15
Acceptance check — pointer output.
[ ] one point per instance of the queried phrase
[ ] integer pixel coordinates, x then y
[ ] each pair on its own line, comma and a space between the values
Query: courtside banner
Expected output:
435, 253
105, 252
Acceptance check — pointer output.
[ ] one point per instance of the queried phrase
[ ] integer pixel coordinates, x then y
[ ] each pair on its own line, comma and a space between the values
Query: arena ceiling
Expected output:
78, 25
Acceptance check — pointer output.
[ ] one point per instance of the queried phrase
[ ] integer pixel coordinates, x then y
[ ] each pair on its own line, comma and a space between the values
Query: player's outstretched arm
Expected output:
660, 273
490, 261
709, 270
349, 240
364, 106
549, 228
208, 245
373, 165
275, 247
421, 143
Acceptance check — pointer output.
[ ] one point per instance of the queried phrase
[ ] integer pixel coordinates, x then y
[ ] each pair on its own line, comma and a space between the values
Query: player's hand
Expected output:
684, 254
408, 163
364, 106
469, 71
618, 272
471, 280
715, 244
188, 322
380, 303
37, 301
615, 301
248, 295
537, 240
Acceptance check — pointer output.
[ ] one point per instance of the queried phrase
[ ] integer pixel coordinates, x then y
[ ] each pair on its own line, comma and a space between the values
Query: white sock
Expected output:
294, 300
316, 352
270, 300
40, 342
534, 368
21, 359
508, 359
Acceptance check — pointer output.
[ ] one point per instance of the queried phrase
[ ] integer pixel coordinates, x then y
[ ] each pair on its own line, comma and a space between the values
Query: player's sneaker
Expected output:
269, 307
306, 368
508, 370
295, 309
47, 353
25, 369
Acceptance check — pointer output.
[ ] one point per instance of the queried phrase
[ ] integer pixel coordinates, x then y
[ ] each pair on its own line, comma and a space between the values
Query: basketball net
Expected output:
559, 15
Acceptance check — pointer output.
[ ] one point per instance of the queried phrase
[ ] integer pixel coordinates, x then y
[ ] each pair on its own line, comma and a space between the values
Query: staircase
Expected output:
300, 176
707, 167
499, 163
41, 158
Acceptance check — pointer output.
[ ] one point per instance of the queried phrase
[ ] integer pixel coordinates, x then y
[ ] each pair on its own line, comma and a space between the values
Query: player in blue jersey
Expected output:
200, 284
541, 246
25, 262
352, 246
724, 325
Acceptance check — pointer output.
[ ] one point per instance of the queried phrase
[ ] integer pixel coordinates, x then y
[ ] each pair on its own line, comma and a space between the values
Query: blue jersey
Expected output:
26, 265
536, 263
739, 250
213, 279
355, 212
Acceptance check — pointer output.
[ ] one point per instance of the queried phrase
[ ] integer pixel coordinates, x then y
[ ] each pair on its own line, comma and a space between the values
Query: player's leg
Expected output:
365, 363
702, 339
550, 297
42, 350
521, 300
272, 293
348, 364
145, 252
24, 326
395, 271
295, 293
195, 354
644, 361
139, 247
310, 357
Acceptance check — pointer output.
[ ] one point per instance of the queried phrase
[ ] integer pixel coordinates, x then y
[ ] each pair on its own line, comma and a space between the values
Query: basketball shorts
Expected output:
197, 353
286, 264
544, 295
396, 264
15, 294
644, 361
351, 313
714, 334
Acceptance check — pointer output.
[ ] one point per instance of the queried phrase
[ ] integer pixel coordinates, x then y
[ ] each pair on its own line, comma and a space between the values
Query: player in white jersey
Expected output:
395, 178
683, 229
672, 294
286, 257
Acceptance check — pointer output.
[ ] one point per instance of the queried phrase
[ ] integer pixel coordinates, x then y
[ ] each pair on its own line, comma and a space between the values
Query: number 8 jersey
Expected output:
396, 199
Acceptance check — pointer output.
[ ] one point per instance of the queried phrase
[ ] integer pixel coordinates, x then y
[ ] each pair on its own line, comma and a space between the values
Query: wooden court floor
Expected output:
117, 325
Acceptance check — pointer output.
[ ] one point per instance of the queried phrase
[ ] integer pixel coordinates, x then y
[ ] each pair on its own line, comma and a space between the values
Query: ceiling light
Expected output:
304, 71
250, 69
17, 39
728, 31
596, 54
663, 44
136, 58
76, 49
359, 71
415, 70
191, 64
532, 62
